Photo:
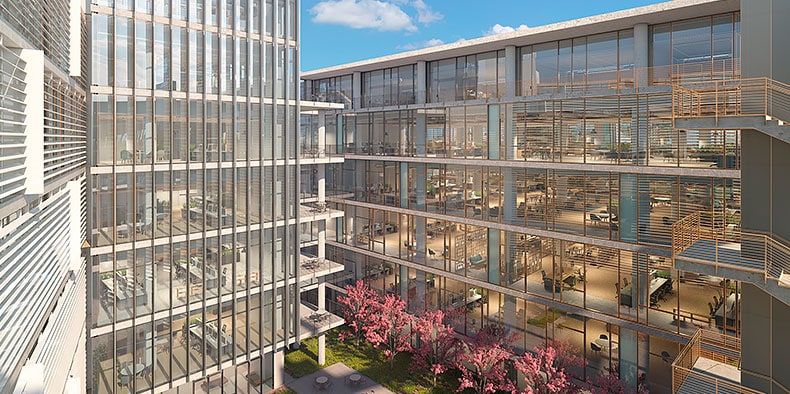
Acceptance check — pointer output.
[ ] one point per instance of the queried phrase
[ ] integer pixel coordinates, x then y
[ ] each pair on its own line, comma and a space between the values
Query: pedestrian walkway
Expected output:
337, 379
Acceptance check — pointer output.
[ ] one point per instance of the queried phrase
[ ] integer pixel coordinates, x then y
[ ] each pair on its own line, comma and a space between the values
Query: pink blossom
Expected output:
436, 343
360, 305
388, 328
548, 369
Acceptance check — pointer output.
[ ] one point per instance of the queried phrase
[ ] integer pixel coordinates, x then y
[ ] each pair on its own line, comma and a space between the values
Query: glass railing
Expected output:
601, 80
663, 150
320, 151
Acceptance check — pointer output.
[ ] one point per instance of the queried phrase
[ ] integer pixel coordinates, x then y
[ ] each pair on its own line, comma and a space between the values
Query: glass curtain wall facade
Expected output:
42, 201
193, 191
548, 209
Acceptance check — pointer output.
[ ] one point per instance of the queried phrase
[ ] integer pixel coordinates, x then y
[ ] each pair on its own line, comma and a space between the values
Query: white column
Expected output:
420, 134
510, 71
322, 296
511, 78
422, 79
322, 238
279, 368
356, 81
322, 349
321, 130
321, 306
641, 53
321, 168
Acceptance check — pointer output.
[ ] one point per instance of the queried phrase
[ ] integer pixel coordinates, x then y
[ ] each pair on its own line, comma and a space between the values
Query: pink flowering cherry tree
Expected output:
550, 368
436, 343
483, 361
360, 304
611, 383
388, 328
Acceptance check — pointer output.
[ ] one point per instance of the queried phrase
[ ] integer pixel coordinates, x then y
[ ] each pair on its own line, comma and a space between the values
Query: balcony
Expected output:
320, 154
754, 103
316, 211
707, 243
311, 267
314, 321
709, 364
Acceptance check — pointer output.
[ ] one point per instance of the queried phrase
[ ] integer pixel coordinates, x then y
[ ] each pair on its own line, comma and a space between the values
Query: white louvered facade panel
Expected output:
36, 253
12, 123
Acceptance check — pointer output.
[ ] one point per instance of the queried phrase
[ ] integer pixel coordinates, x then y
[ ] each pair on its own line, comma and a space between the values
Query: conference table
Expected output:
658, 287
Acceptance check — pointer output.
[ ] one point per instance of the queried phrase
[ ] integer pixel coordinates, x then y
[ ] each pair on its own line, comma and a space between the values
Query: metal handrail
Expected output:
712, 345
763, 97
771, 254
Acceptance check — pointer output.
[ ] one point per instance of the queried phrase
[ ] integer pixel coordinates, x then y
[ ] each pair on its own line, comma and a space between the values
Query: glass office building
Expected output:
545, 180
194, 207
42, 200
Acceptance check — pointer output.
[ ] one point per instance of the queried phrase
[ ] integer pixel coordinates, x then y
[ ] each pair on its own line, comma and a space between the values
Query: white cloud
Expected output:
499, 29
423, 44
424, 13
363, 14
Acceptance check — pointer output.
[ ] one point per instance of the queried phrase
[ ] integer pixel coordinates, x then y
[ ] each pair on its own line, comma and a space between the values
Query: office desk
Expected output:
124, 293
731, 318
225, 347
196, 274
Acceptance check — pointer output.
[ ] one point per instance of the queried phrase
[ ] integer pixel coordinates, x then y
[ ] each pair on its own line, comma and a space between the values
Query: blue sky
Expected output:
342, 31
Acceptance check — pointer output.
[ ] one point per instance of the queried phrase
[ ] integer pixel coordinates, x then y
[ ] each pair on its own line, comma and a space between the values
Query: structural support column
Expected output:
635, 219
420, 235
404, 185
279, 368
322, 238
494, 244
404, 282
493, 132
321, 168
510, 71
508, 210
641, 51
634, 356
356, 87
420, 134
321, 307
422, 82
322, 349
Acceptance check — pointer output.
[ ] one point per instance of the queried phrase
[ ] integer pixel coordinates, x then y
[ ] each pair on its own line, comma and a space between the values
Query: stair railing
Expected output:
762, 97
771, 252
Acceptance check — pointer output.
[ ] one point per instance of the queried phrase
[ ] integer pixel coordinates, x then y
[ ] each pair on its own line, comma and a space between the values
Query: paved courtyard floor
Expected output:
338, 380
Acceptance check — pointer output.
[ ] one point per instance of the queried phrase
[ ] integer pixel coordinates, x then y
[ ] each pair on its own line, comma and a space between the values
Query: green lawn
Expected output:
369, 362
